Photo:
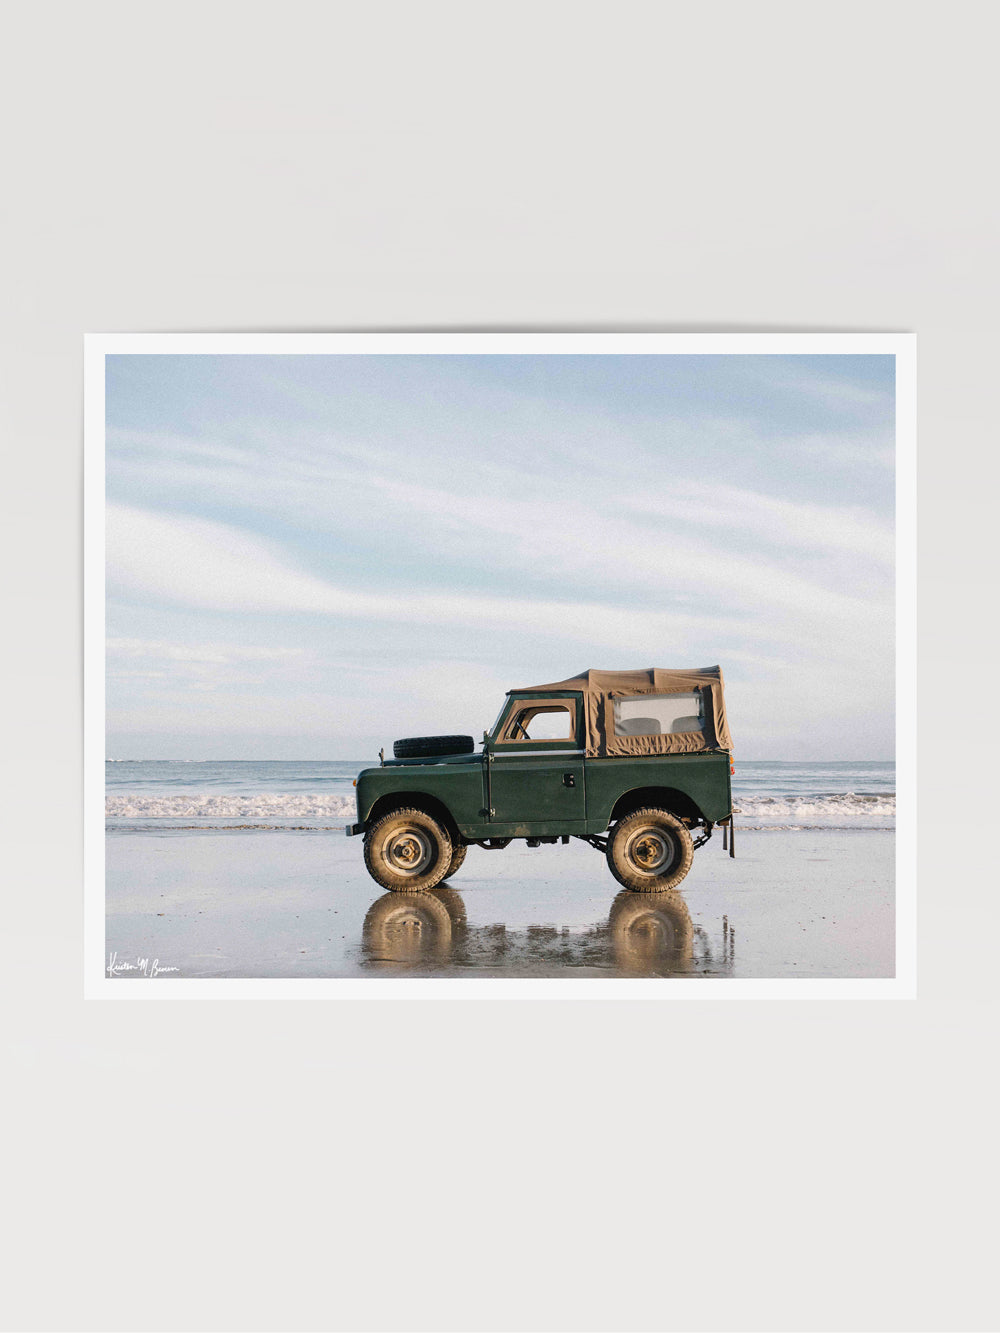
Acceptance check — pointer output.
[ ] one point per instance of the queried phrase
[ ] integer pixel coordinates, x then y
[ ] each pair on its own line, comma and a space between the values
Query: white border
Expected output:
97, 985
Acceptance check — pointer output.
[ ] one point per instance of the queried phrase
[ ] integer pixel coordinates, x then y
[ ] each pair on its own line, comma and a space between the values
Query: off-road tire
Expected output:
650, 850
419, 747
458, 854
407, 851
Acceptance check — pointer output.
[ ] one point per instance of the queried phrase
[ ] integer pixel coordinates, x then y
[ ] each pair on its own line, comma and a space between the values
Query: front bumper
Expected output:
352, 830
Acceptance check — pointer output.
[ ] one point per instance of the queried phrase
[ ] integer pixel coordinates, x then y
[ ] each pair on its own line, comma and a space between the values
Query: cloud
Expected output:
216, 654
642, 528
773, 521
672, 543
194, 562
213, 566
321, 477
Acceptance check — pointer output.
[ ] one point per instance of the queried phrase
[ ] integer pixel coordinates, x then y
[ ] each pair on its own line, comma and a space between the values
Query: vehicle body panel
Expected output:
703, 778
538, 789
525, 788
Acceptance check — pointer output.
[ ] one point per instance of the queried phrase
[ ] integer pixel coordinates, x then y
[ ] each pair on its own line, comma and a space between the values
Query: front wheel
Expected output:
650, 850
458, 855
408, 851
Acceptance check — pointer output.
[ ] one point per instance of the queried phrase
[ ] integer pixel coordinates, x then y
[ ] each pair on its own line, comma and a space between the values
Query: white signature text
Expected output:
143, 967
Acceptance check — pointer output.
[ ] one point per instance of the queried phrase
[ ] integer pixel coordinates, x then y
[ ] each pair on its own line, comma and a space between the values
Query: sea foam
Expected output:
258, 805
841, 810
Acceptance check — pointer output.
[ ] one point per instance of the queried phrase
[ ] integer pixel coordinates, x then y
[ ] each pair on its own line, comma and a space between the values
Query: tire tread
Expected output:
649, 883
381, 874
420, 747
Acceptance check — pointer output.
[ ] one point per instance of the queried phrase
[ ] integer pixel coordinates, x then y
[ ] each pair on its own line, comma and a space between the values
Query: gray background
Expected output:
561, 1166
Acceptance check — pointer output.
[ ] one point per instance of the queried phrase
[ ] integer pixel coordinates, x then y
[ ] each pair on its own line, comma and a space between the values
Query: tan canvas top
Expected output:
601, 689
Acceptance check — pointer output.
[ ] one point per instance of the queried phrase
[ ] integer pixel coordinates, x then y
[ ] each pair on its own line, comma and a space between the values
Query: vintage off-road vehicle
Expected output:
631, 762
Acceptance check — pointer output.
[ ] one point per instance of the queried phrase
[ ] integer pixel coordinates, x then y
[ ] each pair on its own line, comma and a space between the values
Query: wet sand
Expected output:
270, 903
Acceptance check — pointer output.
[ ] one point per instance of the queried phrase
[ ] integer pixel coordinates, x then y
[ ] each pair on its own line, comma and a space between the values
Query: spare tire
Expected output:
417, 747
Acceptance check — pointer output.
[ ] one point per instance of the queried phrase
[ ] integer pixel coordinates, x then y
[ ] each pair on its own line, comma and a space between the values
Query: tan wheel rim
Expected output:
651, 851
408, 851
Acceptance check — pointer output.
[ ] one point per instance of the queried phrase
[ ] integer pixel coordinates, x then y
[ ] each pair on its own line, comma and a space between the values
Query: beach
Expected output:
242, 869
298, 903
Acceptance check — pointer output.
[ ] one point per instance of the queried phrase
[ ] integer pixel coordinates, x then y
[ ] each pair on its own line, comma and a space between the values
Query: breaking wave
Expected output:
262, 805
841, 810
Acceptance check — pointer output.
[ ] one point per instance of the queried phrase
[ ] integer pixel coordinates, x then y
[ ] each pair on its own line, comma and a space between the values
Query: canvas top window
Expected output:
659, 714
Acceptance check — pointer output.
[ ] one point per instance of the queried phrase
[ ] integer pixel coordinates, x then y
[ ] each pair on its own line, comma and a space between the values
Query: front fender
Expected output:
455, 789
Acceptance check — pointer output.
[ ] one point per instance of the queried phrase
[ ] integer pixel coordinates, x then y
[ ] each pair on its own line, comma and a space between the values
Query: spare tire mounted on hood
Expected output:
419, 747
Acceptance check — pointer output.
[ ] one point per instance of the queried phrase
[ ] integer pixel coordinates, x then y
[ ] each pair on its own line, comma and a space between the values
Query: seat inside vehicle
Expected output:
639, 726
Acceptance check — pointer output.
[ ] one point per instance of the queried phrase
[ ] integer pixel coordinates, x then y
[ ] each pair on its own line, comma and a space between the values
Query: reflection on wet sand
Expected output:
413, 928
651, 932
646, 934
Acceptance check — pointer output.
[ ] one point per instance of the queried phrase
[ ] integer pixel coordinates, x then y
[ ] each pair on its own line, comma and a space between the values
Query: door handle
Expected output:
569, 780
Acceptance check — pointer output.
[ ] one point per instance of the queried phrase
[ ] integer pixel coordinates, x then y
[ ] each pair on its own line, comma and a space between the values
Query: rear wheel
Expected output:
650, 850
407, 851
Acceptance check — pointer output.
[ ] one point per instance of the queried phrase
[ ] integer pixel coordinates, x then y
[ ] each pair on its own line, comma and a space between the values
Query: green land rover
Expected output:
631, 762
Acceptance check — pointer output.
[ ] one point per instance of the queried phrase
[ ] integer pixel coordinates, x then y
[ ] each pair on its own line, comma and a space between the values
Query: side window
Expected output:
542, 722
659, 714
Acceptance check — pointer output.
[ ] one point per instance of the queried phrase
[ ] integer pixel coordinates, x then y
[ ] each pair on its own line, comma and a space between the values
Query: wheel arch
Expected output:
671, 799
414, 800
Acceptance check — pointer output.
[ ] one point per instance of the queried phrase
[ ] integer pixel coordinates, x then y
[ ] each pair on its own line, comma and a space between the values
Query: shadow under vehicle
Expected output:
635, 763
646, 934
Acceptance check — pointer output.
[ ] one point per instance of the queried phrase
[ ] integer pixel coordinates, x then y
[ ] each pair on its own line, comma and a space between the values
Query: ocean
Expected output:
148, 794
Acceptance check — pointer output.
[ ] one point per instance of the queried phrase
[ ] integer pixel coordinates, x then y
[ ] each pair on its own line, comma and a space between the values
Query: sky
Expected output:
312, 556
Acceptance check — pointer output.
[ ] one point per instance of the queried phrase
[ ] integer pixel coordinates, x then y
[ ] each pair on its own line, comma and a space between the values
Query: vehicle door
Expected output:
536, 767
